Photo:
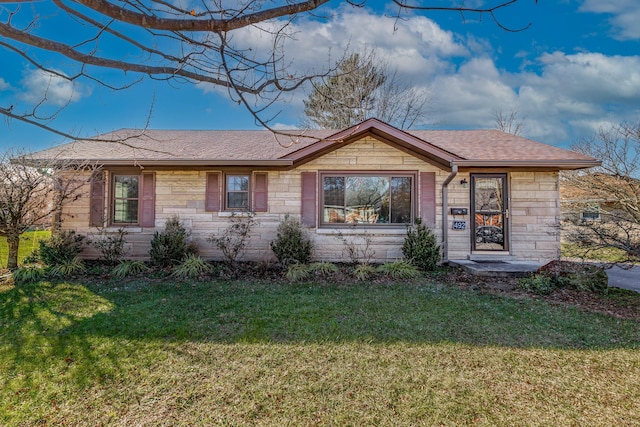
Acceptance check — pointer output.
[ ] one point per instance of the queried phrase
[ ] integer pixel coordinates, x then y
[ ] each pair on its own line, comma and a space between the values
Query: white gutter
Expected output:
445, 212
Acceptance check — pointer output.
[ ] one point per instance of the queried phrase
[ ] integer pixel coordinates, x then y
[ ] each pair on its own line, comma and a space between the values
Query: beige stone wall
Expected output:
534, 210
535, 216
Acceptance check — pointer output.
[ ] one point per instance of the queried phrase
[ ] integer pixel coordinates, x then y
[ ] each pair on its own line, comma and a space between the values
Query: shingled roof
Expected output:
466, 148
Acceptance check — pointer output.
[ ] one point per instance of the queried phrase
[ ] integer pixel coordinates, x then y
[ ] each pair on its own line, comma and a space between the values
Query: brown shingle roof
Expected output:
218, 147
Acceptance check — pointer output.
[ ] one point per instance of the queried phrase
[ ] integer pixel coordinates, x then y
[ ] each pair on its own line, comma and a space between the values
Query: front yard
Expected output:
95, 351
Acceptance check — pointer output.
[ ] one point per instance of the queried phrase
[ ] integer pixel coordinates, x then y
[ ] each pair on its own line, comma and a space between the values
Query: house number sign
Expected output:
459, 225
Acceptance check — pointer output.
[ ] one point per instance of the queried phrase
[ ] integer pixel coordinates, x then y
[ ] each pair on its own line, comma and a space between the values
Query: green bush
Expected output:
292, 243
60, 248
323, 269
170, 246
128, 268
364, 272
539, 284
29, 274
68, 268
420, 247
192, 267
297, 272
399, 270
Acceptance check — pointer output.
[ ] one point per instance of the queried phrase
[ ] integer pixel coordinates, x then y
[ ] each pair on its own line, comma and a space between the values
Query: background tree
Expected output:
363, 87
509, 122
32, 196
611, 192
180, 42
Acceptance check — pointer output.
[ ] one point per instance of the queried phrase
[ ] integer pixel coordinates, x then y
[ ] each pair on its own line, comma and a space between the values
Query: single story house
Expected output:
485, 193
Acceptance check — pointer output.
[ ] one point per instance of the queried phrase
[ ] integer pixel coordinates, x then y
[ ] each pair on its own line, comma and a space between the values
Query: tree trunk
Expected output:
13, 242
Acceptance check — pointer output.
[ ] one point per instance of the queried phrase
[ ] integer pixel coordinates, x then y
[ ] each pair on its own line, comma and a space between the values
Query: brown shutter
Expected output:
148, 201
428, 198
309, 206
260, 188
96, 212
212, 196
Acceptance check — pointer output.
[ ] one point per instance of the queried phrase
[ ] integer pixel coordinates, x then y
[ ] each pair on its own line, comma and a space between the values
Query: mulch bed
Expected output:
617, 302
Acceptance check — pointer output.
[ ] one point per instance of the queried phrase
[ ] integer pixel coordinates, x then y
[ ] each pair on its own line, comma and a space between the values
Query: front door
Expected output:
490, 212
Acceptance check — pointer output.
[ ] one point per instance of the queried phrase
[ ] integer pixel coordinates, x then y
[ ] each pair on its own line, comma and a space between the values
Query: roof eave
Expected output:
173, 163
547, 164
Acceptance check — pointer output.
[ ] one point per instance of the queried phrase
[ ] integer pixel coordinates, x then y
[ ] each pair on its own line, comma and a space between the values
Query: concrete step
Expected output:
497, 268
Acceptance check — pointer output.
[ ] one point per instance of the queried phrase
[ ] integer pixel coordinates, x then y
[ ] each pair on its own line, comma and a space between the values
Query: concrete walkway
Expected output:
618, 277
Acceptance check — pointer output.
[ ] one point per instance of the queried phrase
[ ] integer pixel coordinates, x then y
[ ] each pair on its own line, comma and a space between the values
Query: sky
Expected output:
574, 70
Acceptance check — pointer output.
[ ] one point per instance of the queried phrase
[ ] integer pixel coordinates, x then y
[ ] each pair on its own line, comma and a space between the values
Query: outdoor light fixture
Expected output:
464, 182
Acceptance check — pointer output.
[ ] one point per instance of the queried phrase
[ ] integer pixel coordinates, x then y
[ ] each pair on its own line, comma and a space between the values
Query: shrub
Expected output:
323, 268
574, 275
292, 243
420, 247
363, 272
399, 270
110, 245
60, 248
29, 274
128, 268
233, 240
68, 268
170, 246
358, 248
538, 284
192, 267
297, 272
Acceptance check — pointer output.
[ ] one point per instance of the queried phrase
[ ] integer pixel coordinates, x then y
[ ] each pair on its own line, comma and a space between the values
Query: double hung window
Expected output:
126, 198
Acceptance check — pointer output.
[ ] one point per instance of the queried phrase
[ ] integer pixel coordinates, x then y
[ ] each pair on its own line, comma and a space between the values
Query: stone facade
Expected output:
533, 199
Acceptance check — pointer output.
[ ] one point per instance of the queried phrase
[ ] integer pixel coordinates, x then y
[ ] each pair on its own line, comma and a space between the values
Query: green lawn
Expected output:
158, 352
570, 250
28, 242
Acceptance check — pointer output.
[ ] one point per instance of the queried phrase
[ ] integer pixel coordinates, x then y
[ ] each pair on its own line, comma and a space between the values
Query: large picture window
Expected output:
367, 199
126, 196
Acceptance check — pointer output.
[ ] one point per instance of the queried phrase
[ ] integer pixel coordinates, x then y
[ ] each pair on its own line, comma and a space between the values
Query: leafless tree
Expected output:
32, 193
509, 122
364, 86
605, 201
179, 42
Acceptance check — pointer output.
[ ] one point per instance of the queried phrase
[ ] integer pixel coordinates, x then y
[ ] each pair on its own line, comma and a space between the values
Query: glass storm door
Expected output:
490, 212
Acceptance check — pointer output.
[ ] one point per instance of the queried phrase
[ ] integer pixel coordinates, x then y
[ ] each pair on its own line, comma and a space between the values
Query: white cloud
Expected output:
3, 84
43, 87
625, 16
472, 95
571, 96
560, 96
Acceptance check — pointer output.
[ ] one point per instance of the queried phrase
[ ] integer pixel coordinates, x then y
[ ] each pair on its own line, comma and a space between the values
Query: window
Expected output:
591, 214
130, 201
367, 199
237, 192
125, 199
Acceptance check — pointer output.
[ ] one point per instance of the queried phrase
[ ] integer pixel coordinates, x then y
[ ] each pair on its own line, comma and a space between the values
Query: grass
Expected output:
28, 242
163, 352
570, 250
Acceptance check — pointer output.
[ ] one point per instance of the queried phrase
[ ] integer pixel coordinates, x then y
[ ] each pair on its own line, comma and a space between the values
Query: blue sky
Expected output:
577, 68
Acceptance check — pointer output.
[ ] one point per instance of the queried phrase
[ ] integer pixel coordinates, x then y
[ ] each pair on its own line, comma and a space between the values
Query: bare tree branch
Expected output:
162, 40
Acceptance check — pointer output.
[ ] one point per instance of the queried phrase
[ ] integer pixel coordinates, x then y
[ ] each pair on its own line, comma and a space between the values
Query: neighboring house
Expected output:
592, 196
484, 192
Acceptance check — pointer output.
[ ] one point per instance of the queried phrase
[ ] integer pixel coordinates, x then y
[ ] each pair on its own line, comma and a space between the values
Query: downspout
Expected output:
445, 212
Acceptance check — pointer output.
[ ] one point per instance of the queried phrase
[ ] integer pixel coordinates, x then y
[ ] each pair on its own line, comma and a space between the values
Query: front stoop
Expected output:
496, 268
